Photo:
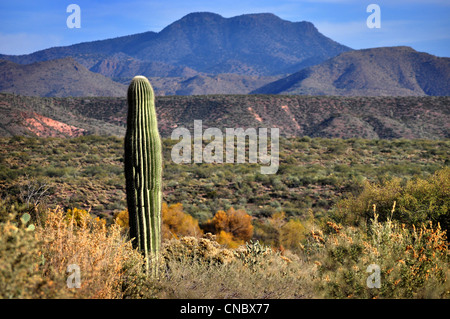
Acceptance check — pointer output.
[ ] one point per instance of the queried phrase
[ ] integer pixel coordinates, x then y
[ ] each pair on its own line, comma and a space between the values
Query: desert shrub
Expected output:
265, 232
202, 213
107, 262
228, 240
426, 200
11, 210
20, 276
176, 223
196, 250
413, 263
121, 218
283, 233
97, 171
254, 254
233, 227
292, 234
77, 216
201, 268
417, 201
52, 171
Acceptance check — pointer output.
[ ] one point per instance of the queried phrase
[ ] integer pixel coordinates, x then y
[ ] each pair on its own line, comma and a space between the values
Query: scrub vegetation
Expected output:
334, 208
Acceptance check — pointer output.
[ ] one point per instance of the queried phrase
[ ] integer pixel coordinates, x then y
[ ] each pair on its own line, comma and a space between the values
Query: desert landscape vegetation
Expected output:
335, 207
363, 184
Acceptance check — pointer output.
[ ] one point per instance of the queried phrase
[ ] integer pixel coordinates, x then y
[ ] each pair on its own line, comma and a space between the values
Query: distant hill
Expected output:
390, 71
314, 116
250, 44
204, 53
66, 77
59, 78
204, 84
120, 65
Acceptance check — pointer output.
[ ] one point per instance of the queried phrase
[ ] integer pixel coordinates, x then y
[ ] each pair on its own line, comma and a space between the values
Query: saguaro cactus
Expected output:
143, 170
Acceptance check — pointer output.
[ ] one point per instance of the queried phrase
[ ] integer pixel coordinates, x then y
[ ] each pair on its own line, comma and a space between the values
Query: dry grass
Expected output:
413, 262
192, 267
100, 252
35, 264
201, 268
332, 263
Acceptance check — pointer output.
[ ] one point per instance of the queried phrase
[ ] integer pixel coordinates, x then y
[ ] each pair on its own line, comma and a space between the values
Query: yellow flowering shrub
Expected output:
413, 263
417, 201
175, 222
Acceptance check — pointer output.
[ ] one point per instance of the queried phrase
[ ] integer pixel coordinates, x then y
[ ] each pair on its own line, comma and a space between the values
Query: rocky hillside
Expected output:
315, 116
62, 77
390, 71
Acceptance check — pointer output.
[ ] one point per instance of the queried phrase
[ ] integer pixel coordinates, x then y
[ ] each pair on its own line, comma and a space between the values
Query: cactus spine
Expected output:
143, 171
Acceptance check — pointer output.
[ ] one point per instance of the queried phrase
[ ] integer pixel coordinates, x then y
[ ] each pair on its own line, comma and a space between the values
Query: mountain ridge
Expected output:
264, 44
295, 115
57, 78
206, 53
386, 71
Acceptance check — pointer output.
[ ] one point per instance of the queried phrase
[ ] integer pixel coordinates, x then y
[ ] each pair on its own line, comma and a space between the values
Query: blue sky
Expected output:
30, 25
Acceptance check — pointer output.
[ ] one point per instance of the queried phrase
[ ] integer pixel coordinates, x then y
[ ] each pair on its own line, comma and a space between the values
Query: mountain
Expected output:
60, 77
295, 115
251, 44
204, 84
205, 53
122, 66
388, 71
66, 77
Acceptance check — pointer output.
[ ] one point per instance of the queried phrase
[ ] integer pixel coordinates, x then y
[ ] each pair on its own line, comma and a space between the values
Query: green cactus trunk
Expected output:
143, 171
